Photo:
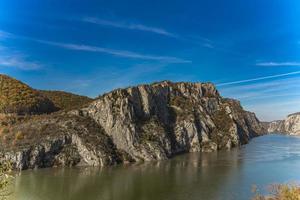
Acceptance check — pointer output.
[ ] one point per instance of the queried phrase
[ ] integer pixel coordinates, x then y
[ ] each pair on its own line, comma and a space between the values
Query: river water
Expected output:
212, 176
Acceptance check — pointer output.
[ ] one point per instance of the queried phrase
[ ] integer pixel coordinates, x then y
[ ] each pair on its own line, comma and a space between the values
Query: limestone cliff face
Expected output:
57, 140
291, 125
156, 121
142, 123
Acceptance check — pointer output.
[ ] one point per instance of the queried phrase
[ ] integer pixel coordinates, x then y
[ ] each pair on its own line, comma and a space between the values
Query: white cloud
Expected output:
266, 86
128, 25
112, 77
204, 42
274, 110
115, 52
208, 45
264, 90
18, 62
274, 64
270, 97
259, 78
13, 59
3, 34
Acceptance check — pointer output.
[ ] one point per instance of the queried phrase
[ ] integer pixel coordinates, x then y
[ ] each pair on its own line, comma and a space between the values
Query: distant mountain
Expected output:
290, 125
141, 123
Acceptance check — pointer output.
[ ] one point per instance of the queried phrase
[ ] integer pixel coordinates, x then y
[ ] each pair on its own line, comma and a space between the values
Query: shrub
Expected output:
5, 130
5, 181
19, 135
280, 192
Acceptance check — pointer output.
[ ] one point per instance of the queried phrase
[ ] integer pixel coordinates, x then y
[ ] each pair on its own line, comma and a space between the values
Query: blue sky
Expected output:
249, 49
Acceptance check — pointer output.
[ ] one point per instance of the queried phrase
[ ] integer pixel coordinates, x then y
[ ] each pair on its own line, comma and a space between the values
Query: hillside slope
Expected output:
64, 100
17, 97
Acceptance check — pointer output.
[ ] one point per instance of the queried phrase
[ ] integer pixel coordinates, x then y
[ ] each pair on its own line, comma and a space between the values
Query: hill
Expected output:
17, 97
66, 101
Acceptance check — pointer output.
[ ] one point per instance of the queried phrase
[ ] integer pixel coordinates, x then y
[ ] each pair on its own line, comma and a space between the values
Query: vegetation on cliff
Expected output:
5, 181
17, 97
66, 101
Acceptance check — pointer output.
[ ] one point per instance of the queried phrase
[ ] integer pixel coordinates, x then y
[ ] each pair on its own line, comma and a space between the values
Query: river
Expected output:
209, 176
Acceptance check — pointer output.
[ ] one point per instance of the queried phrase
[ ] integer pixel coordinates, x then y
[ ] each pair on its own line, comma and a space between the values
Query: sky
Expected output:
249, 49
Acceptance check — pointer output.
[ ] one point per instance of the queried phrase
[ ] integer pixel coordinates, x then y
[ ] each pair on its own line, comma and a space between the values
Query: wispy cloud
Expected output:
18, 62
266, 112
112, 77
115, 52
14, 59
259, 78
4, 35
204, 42
262, 95
128, 25
254, 86
271, 64
208, 45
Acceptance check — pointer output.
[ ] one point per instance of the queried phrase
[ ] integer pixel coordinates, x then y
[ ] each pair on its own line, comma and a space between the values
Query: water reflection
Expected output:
220, 175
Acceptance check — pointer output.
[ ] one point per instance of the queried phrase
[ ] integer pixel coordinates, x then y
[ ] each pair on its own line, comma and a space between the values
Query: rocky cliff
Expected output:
290, 125
142, 123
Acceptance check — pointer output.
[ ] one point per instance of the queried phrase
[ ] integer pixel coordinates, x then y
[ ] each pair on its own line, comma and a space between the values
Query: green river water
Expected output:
210, 176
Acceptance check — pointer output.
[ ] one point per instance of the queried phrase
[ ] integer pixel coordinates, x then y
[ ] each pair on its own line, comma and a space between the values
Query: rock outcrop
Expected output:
142, 123
157, 121
57, 140
290, 125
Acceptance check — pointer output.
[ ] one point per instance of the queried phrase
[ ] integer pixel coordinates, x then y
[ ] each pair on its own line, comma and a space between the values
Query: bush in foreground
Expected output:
280, 192
5, 181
